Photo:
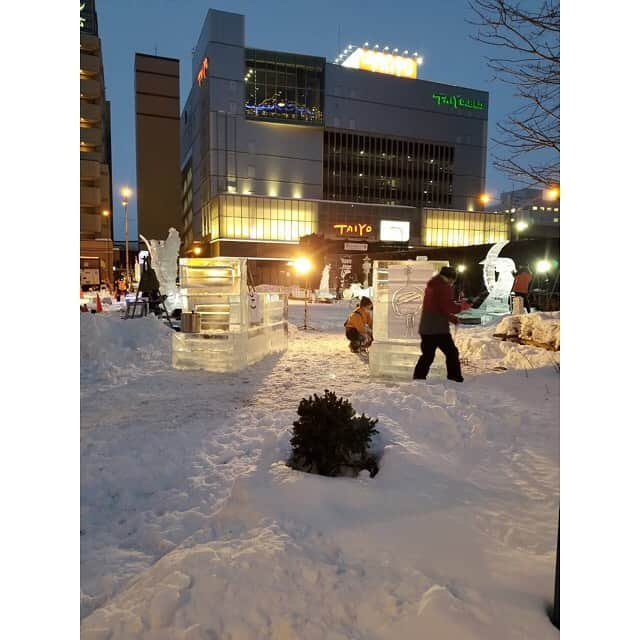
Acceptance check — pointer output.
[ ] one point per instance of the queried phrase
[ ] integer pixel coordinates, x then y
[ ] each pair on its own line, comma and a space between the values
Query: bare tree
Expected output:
527, 34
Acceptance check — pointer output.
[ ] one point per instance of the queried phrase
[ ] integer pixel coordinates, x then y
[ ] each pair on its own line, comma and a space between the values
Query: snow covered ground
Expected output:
193, 528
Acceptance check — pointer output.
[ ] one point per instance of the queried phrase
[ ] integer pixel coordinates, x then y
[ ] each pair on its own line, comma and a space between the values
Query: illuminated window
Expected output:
455, 228
257, 218
283, 87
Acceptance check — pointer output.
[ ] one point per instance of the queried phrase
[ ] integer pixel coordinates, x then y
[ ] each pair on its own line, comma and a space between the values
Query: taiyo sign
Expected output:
458, 102
353, 229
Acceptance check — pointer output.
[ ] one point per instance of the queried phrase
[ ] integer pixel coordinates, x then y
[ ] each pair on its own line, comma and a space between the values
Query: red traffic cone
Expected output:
98, 303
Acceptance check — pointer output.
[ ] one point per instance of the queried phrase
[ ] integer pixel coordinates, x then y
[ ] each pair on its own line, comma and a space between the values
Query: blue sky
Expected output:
437, 29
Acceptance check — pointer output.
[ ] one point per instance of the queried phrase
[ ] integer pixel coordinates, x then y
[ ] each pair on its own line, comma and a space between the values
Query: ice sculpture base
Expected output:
221, 352
396, 360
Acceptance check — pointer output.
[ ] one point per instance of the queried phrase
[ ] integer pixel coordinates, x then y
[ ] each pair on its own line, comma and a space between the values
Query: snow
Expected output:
194, 528
543, 328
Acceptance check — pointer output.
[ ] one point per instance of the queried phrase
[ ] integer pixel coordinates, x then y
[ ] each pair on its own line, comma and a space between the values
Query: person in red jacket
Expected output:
438, 309
521, 285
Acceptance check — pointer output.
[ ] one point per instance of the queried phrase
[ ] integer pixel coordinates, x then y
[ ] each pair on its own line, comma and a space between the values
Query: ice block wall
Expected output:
398, 291
238, 327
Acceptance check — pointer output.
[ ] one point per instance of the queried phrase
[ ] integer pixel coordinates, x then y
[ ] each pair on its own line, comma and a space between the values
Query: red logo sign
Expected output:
202, 73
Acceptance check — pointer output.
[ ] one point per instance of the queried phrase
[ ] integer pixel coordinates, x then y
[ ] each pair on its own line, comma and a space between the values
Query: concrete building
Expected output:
276, 146
533, 213
157, 89
96, 205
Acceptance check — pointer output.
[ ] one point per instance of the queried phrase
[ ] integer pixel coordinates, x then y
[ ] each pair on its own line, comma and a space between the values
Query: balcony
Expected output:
89, 42
90, 223
91, 136
90, 89
89, 64
89, 196
89, 170
90, 112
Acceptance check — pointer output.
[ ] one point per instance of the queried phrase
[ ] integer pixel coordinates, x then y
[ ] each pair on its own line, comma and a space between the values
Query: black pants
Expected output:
525, 300
428, 346
355, 338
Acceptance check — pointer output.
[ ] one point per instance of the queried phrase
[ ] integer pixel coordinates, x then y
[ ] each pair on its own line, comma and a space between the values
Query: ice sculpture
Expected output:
398, 291
323, 292
238, 327
499, 288
164, 260
498, 280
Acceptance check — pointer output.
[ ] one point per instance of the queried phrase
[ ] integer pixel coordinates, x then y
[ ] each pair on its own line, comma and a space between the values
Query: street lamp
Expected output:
303, 267
485, 199
125, 192
521, 225
543, 266
552, 194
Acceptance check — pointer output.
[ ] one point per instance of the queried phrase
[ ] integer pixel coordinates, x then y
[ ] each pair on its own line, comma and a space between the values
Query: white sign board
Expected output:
355, 246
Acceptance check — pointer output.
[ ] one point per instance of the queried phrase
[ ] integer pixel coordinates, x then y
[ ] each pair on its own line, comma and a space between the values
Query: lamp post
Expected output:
303, 267
125, 192
461, 268
521, 225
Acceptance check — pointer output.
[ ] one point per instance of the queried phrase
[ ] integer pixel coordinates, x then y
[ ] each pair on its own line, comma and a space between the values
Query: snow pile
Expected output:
541, 328
110, 347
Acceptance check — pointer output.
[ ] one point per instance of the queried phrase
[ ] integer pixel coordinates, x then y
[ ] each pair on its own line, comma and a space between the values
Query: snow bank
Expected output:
110, 347
543, 328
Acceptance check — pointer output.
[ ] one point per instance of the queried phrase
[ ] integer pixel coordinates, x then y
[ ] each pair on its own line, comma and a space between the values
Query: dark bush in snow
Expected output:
329, 439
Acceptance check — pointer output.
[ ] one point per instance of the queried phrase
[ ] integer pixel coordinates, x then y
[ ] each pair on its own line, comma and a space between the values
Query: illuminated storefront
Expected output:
257, 218
444, 228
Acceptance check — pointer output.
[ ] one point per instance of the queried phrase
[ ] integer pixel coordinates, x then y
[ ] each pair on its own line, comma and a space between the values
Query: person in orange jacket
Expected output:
521, 285
438, 310
359, 326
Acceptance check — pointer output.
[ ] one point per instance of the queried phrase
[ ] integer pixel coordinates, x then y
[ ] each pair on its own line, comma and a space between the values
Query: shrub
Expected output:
329, 439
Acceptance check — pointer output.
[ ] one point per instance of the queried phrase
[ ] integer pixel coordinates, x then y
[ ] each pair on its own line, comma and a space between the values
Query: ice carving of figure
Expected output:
324, 280
164, 260
406, 303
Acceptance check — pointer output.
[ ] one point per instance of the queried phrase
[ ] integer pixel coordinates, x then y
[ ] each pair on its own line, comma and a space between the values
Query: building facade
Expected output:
276, 146
533, 213
158, 184
96, 203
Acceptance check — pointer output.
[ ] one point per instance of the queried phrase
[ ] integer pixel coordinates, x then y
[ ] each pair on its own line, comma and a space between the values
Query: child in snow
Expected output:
359, 326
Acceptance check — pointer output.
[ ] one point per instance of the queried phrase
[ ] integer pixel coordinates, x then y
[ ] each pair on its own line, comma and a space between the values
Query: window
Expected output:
364, 168
457, 228
258, 218
284, 87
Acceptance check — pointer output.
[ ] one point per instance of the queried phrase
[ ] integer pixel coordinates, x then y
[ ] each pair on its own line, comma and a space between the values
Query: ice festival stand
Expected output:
398, 291
237, 326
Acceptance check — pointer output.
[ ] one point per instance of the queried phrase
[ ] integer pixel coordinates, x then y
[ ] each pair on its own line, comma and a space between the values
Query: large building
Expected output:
96, 205
157, 87
276, 146
533, 213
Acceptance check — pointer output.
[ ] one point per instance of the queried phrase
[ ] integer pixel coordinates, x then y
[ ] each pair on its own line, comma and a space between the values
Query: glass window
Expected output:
282, 86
